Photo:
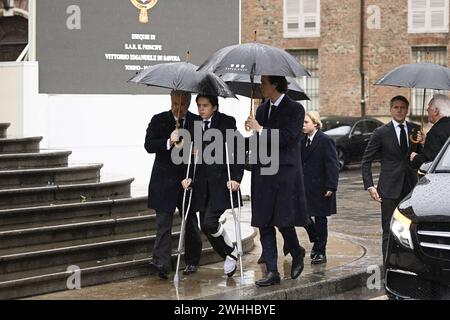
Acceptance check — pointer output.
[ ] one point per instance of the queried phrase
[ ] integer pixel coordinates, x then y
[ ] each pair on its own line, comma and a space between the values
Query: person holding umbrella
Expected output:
390, 143
279, 200
211, 196
439, 115
164, 192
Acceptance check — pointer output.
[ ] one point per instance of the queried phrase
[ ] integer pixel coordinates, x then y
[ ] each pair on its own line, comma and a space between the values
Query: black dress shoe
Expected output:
159, 268
313, 254
190, 269
319, 259
271, 279
297, 265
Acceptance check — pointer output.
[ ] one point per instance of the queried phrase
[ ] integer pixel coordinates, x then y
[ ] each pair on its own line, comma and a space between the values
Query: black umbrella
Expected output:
240, 84
422, 75
254, 59
183, 76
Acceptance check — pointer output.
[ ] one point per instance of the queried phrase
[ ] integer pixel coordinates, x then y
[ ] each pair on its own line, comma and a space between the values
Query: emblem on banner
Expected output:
144, 6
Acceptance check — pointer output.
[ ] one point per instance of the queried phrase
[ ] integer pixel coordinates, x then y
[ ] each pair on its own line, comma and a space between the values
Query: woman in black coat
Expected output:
211, 196
321, 174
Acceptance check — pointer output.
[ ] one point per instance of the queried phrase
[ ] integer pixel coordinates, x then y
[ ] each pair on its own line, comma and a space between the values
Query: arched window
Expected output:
13, 31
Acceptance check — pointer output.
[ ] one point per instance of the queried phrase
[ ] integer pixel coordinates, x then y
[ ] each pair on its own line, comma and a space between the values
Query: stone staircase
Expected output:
56, 218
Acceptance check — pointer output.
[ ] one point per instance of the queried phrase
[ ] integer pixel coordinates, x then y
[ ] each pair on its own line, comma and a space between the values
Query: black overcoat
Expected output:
210, 180
321, 170
164, 190
279, 200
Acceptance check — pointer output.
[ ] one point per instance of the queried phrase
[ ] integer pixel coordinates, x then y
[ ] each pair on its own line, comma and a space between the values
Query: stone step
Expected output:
106, 189
19, 145
51, 279
74, 231
32, 217
75, 252
49, 176
3, 129
42, 159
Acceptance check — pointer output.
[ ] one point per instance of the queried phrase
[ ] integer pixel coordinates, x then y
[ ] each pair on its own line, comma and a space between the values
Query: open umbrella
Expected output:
422, 75
240, 84
254, 59
183, 76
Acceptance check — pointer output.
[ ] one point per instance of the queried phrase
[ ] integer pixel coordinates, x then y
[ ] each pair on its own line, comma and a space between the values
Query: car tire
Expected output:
341, 158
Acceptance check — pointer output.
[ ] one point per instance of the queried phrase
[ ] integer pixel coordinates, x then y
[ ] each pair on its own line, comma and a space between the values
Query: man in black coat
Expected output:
321, 169
165, 192
279, 199
211, 196
397, 178
438, 114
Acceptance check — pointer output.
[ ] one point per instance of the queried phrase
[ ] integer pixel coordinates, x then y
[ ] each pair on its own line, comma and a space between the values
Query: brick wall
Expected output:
339, 53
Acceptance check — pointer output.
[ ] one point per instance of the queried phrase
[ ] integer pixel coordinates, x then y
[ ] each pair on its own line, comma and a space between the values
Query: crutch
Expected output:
184, 216
237, 218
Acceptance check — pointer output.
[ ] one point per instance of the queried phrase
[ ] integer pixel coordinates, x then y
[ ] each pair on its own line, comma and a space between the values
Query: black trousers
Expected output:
321, 230
269, 245
162, 249
388, 207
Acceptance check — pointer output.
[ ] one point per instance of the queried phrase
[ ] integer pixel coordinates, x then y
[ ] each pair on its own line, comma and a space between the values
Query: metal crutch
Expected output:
237, 218
184, 215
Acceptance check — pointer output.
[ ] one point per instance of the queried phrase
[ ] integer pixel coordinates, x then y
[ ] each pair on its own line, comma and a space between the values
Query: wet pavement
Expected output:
353, 252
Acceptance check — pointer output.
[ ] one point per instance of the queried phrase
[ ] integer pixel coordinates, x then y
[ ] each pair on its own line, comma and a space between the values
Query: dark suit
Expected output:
279, 200
321, 170
165, 193
436, 138
211, 195
397, 178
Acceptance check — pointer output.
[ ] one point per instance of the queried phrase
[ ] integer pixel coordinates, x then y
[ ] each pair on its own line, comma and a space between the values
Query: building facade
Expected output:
13, 28
343, 42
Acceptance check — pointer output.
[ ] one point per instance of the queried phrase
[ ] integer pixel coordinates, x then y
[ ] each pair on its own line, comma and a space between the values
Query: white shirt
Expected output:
312, 135
397, 131
276, 103
209, 124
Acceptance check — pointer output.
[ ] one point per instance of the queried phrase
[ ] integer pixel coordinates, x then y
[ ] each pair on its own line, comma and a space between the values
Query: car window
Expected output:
444, 163
359, 128
339, 131
328, 124
371, 126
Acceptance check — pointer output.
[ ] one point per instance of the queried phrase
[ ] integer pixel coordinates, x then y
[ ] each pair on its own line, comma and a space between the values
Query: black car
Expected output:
351, 134
418, 255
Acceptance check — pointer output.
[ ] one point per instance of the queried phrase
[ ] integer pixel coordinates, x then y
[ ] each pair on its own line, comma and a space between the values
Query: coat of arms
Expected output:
144, 6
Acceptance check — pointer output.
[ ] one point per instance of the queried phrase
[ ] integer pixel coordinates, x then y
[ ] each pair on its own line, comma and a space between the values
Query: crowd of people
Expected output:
302, 192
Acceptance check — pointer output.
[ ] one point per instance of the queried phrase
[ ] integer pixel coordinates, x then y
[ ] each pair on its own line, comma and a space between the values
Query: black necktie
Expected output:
403, 141
308, 142
206, 125
181, 121
273, 108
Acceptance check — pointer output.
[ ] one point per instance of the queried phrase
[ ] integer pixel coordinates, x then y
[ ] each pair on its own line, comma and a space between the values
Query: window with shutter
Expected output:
437, 55
426, 16
301, 18
310, 59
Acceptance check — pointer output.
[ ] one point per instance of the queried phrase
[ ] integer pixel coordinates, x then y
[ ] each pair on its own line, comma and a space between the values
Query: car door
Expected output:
356, 141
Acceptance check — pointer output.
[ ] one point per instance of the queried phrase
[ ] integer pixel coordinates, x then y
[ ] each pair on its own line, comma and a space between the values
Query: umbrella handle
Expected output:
252, 114
411, 136
179, 144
